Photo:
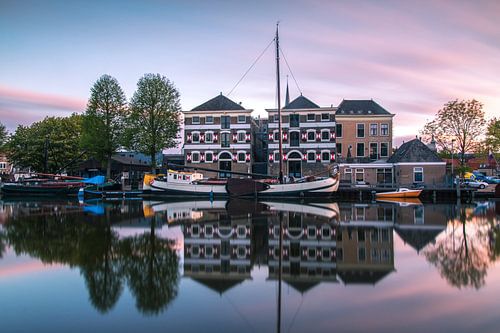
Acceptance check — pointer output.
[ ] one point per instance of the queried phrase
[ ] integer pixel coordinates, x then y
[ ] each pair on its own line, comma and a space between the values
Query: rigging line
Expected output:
293, 76
239, 313
250, 68
295, 315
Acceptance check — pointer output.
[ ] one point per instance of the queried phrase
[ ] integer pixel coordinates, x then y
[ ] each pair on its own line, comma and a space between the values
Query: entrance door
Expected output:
294, 169
224, 166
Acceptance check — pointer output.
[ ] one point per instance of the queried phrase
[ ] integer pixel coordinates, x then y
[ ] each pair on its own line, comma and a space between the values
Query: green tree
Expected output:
104, 120
49, 145
493, 135
460, 122
3, 135
154, 116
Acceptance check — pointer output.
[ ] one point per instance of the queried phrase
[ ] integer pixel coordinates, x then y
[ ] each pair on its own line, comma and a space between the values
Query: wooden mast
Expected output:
279, 103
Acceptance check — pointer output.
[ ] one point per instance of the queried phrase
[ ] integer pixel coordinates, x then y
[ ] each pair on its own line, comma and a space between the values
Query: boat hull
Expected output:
45, 191
393, 195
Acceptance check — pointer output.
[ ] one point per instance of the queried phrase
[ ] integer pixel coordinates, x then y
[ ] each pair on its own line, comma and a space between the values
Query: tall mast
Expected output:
279, 103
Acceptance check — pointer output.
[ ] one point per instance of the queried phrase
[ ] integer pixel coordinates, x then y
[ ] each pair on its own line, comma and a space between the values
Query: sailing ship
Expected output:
182, 183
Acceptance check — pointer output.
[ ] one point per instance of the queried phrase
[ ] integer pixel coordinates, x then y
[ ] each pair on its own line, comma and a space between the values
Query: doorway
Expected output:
224, 166
294, 169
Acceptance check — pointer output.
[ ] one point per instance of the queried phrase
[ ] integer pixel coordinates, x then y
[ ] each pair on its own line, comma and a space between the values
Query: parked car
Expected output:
475, 184
492, 180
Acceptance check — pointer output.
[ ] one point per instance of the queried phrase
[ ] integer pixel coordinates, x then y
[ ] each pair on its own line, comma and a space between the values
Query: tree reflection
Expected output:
461, 256
147, 262
151, 266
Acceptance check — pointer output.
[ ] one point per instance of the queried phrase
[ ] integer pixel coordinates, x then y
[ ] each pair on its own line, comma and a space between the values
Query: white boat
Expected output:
178, 183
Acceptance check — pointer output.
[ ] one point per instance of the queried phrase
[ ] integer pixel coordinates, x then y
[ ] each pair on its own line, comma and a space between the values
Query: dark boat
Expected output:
41, 187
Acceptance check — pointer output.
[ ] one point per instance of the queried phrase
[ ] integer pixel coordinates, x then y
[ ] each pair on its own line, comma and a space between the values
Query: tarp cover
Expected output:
97, 180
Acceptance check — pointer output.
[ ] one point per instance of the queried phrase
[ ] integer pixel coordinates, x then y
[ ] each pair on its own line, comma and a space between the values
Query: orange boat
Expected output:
400, 193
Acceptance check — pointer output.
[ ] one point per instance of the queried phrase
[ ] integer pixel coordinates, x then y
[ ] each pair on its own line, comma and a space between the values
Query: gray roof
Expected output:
414, 151
301, 102
217, 103
361, 107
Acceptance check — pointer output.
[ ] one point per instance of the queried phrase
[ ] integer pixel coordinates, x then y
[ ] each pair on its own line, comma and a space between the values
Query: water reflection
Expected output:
322, 242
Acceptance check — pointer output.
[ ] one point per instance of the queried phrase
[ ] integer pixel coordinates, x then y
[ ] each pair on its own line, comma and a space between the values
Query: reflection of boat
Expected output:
400, 193
403, 202
329, 210
182, 210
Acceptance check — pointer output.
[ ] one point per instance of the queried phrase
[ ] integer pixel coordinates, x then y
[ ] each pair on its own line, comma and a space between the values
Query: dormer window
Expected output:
209, 120
242, 119
196, 119
311, 117
325, 117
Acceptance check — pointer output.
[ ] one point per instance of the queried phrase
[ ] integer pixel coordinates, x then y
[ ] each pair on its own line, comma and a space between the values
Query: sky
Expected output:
409, 56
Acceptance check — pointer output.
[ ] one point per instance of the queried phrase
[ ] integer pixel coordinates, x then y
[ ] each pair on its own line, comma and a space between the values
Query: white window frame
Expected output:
329, 156
387, 149
220, 138
311, 228
209, 132
241, 122
309, 120
360, 171
276, 155
275, 118
364, 131
364, 147
329, 135
420, 170
290, 137
209, 152
328, 119
238, 136
370, 149
238, 156
376, 130
388, 129
307, 135
209, 122
192, 157
274, 135
192, 136
307, 156
193, 122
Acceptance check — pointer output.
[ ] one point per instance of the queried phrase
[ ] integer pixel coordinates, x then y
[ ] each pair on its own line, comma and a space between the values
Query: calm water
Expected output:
197, 266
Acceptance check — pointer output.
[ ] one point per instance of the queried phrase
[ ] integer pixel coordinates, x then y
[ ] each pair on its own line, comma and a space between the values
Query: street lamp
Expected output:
452, 142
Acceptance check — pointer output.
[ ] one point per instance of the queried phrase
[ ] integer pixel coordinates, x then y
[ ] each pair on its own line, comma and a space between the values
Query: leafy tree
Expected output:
48, 145
493, 135
460, 121
3, 135
154, 116
104, 120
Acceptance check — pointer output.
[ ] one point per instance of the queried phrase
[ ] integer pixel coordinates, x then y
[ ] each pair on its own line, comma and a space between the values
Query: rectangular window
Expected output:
241, 136
360, 130
195, 137
241, 157
373, 129
338, 129
361, 235
209, 120
384, 176
384, 149
209, 157
294, 120
276, 136
418, 174
276, 118
242, 119
276, 157
325, 156
209, 137
195, 157
348, 174
374, 236
384, 129
339, 148
360, 175
373, 150
361, 254
311, 156
311, 136
294, 139
325, 117
311, 117
225, 139
225, 122
385, 235
196, 120
325, 135
360, 149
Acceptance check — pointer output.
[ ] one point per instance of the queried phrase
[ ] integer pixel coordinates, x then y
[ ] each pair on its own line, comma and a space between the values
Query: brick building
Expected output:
218, 135
308, 138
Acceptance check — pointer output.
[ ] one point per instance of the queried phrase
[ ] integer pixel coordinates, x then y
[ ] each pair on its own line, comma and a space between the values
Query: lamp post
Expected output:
452, 142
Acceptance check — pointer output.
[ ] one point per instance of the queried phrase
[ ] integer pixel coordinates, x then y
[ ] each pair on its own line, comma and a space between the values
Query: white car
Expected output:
475, 184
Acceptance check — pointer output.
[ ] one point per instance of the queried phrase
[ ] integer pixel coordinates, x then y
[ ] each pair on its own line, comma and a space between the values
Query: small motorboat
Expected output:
400, 193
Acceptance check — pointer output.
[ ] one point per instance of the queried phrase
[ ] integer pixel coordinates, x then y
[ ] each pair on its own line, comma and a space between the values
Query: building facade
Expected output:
218, 135
308, 138
364, 131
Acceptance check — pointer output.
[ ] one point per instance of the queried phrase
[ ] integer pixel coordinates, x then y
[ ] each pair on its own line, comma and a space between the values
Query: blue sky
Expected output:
411, 57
